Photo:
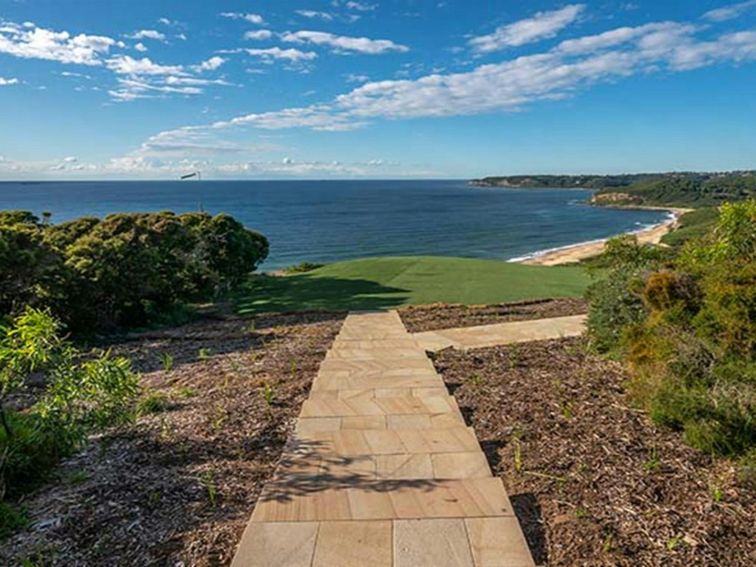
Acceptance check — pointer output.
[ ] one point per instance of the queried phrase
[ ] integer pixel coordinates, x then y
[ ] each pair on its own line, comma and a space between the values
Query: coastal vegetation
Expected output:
690, 225
684, 322
128, 269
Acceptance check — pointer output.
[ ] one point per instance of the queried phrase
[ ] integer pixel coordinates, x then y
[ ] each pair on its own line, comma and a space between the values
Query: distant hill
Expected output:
685, 188
563, 181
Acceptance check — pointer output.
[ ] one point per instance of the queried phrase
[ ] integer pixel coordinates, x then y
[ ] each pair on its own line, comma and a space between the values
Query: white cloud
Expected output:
32, 42
316, 117
134, 88
194, 81
77, 75
344, 43
271, 53
140, 47
147, 34
510, 85
210, 64
251, 18
258, 34
543, 25
358, 6
663, 31
356, 78
326, 16
729, 12
8, 82
126, 65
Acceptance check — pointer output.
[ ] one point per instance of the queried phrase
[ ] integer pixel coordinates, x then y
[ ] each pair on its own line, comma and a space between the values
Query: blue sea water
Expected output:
326, 221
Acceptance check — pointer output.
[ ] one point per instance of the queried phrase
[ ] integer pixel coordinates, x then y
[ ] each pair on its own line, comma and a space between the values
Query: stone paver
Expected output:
382, 469
482, 336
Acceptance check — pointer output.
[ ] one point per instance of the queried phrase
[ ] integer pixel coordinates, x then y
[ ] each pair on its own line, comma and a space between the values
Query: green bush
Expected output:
12, 519
80, 395
686, 329
616, 294
124, 270
301, 268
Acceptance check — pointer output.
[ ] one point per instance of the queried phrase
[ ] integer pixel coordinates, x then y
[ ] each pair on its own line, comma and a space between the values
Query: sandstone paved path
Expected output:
382, 470
501, 333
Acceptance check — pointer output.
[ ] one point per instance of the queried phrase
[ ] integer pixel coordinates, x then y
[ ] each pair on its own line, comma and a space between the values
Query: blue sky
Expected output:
374, 88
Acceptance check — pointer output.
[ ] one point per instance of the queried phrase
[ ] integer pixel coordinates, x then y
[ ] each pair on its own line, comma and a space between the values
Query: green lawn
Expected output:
382, 283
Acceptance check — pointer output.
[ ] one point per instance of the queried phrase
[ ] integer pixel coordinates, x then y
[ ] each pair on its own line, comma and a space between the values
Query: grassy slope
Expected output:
381, 283
692, 225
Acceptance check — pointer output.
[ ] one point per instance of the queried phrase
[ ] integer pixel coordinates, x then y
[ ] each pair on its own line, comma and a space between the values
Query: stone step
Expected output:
283, 501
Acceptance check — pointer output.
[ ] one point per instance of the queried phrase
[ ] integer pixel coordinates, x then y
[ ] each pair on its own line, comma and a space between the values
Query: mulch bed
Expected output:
178, 487
593, 481
443, 316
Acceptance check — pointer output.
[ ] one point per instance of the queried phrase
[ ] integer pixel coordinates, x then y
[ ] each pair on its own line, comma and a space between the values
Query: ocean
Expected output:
326, 221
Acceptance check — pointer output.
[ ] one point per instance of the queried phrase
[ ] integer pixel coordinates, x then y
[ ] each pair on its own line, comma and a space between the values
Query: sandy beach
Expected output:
582, 250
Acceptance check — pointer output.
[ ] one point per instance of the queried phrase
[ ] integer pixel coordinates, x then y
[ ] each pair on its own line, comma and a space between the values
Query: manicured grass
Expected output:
383, 283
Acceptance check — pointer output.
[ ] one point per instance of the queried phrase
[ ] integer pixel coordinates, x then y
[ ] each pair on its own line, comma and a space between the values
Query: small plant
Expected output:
75, 477
268, 393
185, 392
567, 411
166, 359
165, 429
153, 498
608, 544
716, 493
203, 353
293, 366
517, 454
652, 463
581, 512
208, 482
252, 327
673, 542
514, 357
156, 402
220, 417
475, 380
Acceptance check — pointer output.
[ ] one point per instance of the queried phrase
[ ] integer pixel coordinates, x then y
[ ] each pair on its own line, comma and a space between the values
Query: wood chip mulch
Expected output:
444, 316
178, 487
593, 481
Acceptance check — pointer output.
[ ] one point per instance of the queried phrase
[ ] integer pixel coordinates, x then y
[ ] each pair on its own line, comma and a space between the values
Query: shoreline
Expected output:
573, 253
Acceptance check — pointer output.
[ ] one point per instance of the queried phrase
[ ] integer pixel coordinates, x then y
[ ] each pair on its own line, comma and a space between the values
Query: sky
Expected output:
138, 89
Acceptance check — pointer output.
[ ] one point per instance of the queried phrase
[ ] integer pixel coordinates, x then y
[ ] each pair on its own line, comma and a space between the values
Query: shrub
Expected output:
615, 296
124, 270
30, 270
80, 396
302, 268
12, 519
686, 329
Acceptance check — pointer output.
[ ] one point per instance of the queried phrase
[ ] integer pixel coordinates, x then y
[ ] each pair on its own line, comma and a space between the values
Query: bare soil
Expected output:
443, 316
593, 481
177, 487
